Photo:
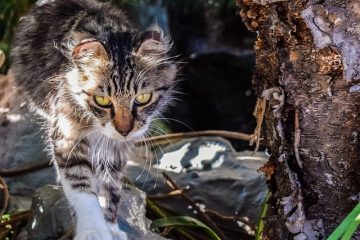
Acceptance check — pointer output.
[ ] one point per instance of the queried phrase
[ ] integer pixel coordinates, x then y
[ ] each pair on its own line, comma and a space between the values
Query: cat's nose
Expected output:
123, 121
124, 133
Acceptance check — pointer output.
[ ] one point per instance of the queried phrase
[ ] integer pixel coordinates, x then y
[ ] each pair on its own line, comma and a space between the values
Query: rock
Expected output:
19, 203
132, 216
20, 140
209, 169
50, 215
51, 218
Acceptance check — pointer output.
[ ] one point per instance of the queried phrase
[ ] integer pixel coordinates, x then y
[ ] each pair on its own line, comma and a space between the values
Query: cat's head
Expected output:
123, 80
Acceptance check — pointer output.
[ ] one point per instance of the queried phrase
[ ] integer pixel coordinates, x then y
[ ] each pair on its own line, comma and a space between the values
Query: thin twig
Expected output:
171, 183
2, 58
4, 233
173, 136
19, 217
228, 218
297, 135
5, 196
24, 170
166, 231
166, 195
259, 113
213, 212
176, 193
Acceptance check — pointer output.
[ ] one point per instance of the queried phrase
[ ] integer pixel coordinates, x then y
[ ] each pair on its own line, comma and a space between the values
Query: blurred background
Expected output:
211, 42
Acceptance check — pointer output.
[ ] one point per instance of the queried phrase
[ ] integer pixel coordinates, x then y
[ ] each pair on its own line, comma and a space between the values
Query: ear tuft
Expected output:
153, 43
89, 52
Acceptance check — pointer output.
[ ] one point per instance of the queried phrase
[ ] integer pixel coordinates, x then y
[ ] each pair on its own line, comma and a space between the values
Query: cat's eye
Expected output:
102, 101
143, 99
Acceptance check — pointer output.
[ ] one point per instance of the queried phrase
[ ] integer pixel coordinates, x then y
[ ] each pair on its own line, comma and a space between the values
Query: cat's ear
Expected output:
153, 43
89, 53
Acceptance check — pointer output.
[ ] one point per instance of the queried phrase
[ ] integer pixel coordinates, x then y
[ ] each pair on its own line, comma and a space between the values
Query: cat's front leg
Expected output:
81, 189
110, 194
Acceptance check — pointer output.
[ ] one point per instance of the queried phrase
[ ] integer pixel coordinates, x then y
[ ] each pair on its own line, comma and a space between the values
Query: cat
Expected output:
98, 82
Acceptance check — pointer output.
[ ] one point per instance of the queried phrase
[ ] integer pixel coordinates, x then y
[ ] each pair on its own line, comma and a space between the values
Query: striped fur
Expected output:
67, 52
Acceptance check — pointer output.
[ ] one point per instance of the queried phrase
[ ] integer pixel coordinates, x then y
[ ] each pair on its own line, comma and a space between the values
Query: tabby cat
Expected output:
98, 82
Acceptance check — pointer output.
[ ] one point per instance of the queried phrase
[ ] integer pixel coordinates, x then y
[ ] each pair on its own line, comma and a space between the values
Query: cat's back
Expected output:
44, 34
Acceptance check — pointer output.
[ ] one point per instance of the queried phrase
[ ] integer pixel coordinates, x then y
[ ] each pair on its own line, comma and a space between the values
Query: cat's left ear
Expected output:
153, 43
89, 53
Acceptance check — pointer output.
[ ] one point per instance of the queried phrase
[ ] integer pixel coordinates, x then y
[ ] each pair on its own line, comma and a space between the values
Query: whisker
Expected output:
150, 165
146, 159
161, 134
175, 120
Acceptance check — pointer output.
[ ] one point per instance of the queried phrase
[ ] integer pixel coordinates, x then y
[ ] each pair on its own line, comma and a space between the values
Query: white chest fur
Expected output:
107, 154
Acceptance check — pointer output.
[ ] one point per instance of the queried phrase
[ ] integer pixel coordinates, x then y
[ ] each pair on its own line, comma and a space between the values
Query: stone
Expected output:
51, 218
209, 169
21, 140
50, 215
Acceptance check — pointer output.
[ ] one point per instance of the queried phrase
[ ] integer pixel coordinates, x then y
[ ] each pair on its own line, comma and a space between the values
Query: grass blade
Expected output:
184, 221
351, 229
345, 225
264, 210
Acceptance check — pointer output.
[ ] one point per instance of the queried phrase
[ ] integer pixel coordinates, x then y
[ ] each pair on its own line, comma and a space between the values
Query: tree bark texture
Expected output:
307, 71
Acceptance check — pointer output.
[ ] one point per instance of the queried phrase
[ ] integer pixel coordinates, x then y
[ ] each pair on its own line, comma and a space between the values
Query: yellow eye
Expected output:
143, 99
102, 101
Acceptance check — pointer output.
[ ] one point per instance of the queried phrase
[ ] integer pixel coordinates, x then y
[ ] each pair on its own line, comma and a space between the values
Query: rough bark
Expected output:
307, 68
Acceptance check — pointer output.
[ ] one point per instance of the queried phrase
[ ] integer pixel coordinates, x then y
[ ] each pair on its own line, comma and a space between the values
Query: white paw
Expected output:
116, 233
93, 234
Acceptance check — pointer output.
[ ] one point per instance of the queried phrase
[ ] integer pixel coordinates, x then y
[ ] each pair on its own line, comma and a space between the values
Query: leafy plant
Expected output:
10, 12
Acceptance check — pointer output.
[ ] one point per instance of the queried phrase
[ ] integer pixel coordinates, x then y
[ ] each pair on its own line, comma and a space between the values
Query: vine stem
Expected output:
181, 135
161, 139
5, 196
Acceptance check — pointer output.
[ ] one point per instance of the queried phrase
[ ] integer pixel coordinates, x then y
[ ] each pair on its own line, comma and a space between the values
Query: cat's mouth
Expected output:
133, 135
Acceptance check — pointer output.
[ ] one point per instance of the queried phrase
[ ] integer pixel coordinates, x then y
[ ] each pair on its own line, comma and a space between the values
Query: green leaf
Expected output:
264, 210
184, 221
348, 225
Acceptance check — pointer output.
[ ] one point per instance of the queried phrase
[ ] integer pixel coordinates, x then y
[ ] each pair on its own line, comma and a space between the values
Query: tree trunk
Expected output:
307, 68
